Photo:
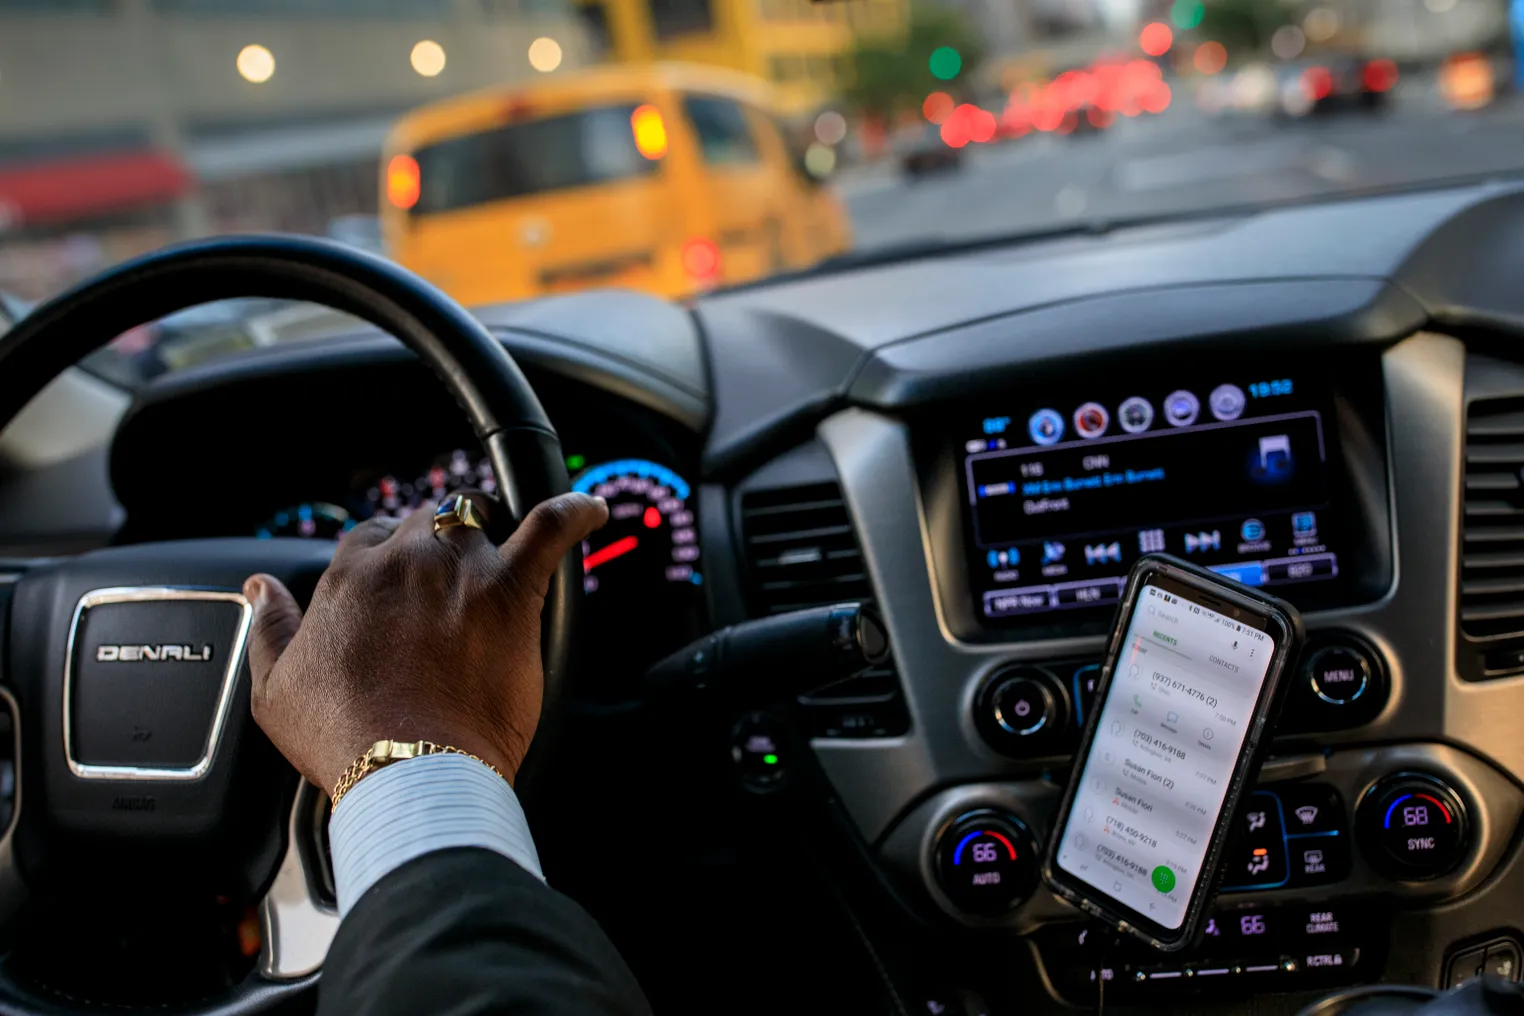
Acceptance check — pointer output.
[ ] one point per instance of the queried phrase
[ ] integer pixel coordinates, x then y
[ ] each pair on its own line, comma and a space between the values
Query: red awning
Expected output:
81, 187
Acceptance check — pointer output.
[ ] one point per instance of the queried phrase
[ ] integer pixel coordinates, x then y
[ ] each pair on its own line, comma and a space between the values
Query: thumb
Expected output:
548, 533
276, 619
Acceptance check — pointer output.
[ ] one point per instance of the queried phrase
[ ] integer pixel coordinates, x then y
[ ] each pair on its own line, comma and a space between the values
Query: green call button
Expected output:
1164, 878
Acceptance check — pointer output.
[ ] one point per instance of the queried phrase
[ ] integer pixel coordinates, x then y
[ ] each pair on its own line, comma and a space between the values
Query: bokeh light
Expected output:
937, 107
1317, 82
701, 259
1288, 42
545, 54
428, 58
968, 123
256, 64
1155, 99
1466, 81
1187, 14
945, 63
1321, 24
1211, 57
650, 132
1380, 75
819, 160
402, 181
830, 128
1156, 38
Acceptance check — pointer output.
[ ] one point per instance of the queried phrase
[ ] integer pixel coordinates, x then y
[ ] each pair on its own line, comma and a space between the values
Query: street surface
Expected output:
1179, 161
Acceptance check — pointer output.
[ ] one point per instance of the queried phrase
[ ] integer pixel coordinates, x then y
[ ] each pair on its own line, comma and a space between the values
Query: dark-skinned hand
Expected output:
412, 635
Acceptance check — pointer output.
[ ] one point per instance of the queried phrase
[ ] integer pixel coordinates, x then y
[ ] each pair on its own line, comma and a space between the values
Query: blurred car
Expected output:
922, 152
1331, 82
668, 178
1086, 100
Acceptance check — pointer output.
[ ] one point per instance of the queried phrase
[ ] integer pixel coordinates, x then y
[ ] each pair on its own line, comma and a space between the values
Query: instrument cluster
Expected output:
642, 572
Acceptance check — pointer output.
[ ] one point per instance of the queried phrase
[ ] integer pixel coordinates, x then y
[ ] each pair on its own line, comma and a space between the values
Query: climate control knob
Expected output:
986, 862
1021, 711
1413, 826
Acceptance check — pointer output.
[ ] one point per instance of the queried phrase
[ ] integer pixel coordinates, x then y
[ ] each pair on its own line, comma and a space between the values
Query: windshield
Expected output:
511, 149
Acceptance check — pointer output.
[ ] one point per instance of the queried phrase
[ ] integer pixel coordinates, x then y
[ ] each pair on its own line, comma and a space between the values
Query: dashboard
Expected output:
644, 572
1326, 400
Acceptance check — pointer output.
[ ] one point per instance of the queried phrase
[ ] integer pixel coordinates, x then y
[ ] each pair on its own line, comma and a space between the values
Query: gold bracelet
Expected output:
384, 753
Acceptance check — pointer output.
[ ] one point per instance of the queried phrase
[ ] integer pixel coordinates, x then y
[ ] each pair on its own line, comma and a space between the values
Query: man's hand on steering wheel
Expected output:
413, 634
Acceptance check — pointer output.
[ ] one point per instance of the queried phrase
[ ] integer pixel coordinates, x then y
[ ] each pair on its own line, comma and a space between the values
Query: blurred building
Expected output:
1424, 31
794, 43
127, 123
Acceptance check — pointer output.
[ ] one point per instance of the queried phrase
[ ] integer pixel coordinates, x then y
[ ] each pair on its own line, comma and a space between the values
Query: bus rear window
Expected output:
576, 150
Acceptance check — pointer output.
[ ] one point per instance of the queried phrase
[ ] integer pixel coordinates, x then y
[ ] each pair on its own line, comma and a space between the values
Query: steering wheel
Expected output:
142, 777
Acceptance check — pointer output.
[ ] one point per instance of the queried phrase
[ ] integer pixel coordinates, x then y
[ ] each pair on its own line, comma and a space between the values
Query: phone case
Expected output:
1277, 611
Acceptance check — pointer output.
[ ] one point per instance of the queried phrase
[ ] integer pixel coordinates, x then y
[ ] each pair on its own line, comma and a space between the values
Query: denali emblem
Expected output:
130, 654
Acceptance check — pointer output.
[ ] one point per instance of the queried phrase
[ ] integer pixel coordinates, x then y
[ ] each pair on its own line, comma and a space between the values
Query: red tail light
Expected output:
1318, 82
701, 259
1379, 75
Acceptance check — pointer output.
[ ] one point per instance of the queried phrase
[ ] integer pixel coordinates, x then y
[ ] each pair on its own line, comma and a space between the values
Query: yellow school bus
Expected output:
668, 178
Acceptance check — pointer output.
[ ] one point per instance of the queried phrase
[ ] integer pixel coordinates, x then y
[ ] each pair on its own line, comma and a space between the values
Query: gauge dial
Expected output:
399, 495
650, 538
312, 519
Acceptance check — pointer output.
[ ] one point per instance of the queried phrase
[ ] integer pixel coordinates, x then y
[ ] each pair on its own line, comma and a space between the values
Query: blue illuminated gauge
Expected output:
650, 537
310, 519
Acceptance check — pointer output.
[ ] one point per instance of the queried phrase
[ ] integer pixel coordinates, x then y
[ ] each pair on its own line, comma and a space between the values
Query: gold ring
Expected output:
458, 510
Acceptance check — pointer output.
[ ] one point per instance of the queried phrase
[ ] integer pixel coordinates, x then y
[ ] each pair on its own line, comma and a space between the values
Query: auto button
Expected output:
986, 862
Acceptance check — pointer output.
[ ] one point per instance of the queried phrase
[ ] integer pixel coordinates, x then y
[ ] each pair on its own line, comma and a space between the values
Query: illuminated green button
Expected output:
1164, 878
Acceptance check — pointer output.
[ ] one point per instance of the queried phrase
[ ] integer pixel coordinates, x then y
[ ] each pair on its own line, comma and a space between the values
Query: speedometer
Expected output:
311, 519
650, 536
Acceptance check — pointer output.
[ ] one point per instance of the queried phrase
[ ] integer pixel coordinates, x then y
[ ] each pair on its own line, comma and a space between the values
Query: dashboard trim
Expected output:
1306, 314
657, 392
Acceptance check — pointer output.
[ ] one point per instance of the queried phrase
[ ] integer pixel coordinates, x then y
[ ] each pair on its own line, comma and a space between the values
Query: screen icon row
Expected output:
1135, 415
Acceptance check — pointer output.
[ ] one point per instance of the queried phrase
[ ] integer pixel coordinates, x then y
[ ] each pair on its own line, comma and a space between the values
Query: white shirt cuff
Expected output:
416, 807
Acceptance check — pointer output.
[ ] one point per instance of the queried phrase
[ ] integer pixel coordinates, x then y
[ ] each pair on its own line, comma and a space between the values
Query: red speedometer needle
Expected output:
619, 547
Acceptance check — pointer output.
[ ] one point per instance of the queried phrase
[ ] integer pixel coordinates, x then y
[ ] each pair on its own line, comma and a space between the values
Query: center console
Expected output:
993, 533
1031, 503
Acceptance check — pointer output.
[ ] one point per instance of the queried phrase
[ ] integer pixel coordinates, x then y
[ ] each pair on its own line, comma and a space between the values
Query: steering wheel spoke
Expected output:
299, 915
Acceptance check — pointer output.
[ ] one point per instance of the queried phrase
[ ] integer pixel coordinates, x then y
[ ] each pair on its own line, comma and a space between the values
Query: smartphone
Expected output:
1191, 680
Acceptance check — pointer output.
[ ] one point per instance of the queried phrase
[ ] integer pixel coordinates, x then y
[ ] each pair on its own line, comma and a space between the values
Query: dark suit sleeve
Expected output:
465, 932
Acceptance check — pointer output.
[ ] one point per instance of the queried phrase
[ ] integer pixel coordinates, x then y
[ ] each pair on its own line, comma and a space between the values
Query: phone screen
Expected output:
1180, 703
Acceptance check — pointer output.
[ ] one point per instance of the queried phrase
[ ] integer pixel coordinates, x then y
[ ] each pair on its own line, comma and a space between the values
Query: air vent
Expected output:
1492, 533
801, 549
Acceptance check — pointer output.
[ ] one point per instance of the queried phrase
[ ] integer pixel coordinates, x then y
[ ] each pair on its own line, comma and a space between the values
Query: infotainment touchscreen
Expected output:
1064, 493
